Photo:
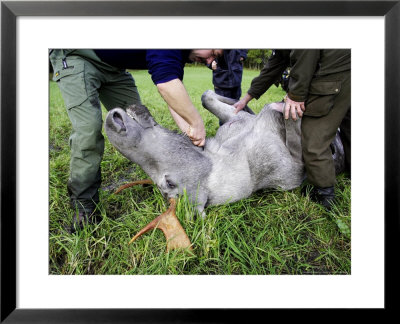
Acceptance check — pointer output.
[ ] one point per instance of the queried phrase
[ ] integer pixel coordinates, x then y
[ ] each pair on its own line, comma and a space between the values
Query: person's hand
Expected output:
242, 103
214, 65
293, 108
197, 135
183, 111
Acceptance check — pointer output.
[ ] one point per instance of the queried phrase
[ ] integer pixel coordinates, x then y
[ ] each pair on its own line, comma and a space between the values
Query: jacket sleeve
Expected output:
304, 65
243, 53
270, 74
165, 65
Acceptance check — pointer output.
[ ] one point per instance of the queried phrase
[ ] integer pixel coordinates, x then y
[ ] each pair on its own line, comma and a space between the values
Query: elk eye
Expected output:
170, 184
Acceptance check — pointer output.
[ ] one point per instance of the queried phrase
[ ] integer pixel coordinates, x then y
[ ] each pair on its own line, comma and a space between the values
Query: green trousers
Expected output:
85, 81
327, 109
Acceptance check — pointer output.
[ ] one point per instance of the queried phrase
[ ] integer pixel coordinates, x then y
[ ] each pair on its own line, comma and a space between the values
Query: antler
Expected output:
134, 183
167, 222
171, 227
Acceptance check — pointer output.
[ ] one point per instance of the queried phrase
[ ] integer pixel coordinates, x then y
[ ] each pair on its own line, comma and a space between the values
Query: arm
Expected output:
183, 111
304, 65
166, 69
270, 74
242, 102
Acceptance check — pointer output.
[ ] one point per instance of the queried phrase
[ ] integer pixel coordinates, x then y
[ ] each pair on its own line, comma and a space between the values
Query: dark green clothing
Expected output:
321, 79
304, 66
85, 81
309, 65
324, 114
270, 74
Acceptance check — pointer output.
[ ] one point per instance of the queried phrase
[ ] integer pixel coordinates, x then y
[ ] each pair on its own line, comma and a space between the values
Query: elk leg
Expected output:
171, 227
293, 139
231, 102
131, 184
220, 109
221, 106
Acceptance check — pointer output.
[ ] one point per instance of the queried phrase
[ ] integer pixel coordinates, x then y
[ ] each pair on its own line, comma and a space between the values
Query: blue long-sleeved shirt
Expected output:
163, 65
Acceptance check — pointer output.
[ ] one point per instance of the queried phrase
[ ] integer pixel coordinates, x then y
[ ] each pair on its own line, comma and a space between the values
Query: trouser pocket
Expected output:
70, 76
321, 98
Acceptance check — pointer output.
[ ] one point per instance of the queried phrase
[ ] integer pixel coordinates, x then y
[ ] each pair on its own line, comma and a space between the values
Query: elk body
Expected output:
248, 153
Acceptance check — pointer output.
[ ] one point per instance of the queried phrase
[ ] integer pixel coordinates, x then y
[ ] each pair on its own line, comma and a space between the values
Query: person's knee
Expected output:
88, 137
92, 140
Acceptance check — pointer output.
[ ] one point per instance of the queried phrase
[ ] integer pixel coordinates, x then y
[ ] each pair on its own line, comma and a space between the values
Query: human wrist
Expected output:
247, 98
294, 97
196, 123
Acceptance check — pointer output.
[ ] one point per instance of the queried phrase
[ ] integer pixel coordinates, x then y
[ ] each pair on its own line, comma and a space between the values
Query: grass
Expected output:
271, 232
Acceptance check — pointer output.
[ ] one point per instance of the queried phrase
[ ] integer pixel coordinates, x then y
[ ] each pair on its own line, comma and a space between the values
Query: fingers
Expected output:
286, 109
239, 106
293, 111
198, 142
198, 138
300, 111
238, 109
293, 108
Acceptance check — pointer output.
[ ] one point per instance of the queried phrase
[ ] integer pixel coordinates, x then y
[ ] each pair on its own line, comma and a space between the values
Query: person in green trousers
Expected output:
87, 78
319, 93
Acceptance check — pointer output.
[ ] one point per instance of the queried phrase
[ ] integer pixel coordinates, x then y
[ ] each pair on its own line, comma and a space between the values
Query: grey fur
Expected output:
248, 153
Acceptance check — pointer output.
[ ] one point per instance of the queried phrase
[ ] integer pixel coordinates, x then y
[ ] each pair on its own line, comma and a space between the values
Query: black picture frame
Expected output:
10, 10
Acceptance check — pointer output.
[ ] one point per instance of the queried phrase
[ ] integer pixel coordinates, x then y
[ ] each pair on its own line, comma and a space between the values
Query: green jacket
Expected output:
305, 65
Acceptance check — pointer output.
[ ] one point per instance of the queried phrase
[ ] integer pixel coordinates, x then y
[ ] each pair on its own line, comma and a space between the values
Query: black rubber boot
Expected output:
322, 196
83, 218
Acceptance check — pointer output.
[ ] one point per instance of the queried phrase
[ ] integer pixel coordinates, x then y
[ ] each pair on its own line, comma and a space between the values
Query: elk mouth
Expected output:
131, 113
141, 115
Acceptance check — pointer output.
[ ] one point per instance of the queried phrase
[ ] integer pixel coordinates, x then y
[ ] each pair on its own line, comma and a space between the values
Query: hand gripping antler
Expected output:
167, 222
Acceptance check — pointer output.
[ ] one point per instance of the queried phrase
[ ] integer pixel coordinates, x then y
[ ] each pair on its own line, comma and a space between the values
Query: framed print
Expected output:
31, 291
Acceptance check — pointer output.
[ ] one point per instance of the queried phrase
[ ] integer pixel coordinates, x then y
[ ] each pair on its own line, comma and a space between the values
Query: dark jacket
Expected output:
229, 69
305, 65
270, 74
163, 65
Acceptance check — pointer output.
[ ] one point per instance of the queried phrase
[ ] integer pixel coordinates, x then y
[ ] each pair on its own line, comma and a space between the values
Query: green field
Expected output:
272, 232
